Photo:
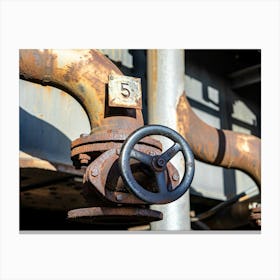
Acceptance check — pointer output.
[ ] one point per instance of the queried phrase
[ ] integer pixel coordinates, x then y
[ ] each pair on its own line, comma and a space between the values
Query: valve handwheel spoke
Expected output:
142, 157
157, 163
171, 152
161, 182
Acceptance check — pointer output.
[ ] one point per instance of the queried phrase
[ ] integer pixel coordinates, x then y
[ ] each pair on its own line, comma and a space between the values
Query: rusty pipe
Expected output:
219, 147
82, 73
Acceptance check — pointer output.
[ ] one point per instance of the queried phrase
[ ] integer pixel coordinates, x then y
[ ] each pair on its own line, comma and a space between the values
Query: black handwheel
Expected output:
157, 163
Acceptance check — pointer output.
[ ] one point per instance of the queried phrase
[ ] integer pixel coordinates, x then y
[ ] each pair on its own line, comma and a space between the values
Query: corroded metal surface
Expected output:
82, 153
125, 92
114, 215
103, 175
107, 137
84, 73
256, 214
114, 111
219, 147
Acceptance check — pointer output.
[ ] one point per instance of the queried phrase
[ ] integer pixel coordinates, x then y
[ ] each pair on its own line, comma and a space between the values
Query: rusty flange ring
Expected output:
85, 149
108, 135
98, 171
114, 215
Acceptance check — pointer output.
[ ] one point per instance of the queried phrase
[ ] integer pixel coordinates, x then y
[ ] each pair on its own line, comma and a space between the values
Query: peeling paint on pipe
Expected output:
82, 73
219, 147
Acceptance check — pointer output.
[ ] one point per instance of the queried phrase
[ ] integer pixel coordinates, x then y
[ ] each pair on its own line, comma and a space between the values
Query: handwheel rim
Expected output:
134, 186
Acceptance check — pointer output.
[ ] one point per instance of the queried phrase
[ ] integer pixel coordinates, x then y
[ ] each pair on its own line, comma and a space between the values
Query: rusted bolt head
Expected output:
84, 158
175, 177
94, 172
119, 197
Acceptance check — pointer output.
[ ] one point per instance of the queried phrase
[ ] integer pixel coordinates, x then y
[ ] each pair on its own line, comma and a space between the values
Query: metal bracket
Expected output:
125, 92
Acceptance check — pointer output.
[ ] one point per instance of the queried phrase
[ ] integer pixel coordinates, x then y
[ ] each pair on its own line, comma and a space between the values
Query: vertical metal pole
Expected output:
165, 85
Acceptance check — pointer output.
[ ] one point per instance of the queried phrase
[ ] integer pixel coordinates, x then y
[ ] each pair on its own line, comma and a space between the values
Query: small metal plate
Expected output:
125, 92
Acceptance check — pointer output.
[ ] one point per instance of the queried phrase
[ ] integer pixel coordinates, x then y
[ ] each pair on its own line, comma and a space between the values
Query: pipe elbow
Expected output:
219, 147
82, 73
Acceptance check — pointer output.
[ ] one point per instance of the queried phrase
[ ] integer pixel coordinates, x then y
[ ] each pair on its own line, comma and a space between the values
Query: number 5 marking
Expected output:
125, 89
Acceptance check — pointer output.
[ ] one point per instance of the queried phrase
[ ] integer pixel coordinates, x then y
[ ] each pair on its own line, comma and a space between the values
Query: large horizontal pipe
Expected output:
82, 73
219, 147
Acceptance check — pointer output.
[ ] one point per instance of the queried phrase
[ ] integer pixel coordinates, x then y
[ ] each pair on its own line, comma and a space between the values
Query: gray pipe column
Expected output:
166, 75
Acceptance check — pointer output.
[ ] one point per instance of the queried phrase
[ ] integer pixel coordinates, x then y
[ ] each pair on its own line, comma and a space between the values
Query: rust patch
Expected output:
219, 147
73, 71
115, 215
83, 76
98, 58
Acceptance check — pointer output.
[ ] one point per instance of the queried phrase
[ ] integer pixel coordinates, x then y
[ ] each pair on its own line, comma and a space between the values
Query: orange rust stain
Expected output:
184, 125
35, 64
202, 138
48, 89
84, 79
241, 151
72, 72
182, 115
103, 62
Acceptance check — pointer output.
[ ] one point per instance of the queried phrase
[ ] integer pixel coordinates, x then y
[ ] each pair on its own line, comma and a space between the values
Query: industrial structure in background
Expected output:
140, 139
